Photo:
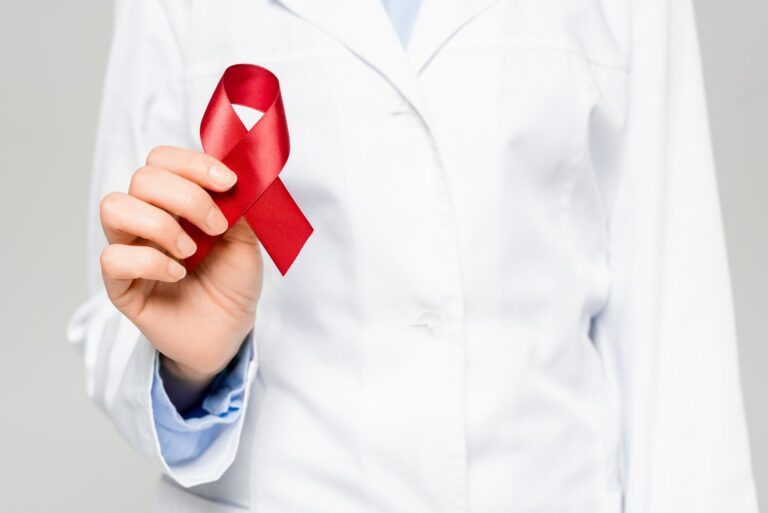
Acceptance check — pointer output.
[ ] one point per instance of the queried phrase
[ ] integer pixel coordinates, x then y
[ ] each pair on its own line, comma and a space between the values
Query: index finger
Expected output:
195, 166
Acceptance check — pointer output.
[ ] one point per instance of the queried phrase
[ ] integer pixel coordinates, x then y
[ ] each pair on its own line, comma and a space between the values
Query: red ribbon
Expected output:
257, 156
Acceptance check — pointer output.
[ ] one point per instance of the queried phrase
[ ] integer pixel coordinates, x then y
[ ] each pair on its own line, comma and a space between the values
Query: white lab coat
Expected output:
516, 297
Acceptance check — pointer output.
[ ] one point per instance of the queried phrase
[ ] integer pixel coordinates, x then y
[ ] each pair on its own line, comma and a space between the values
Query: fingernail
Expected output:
186, 245
176, 270
222, 177
216, 221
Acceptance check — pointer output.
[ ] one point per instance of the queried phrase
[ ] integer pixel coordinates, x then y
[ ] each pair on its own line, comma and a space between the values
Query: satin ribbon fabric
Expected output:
257, 156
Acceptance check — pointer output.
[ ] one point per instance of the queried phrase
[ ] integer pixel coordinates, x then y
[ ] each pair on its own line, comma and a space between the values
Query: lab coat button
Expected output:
409, 118
406, 114
428, 325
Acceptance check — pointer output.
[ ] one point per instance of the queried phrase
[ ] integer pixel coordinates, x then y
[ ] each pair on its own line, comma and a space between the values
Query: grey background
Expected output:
57, 451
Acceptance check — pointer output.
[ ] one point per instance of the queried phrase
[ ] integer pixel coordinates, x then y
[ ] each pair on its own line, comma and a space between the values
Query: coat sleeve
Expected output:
667, 331
142, 107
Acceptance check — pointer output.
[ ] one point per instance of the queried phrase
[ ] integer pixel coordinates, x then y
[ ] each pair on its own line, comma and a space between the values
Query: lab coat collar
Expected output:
364, 27
437, 22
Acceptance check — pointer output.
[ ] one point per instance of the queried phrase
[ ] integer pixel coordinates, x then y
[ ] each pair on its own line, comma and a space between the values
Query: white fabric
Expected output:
516, 297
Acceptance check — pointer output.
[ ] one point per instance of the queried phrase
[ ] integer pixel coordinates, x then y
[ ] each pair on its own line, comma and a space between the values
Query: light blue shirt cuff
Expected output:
184, 438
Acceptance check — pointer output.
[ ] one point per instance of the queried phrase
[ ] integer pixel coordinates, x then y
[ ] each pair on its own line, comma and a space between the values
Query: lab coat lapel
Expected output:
364, 27
437, 22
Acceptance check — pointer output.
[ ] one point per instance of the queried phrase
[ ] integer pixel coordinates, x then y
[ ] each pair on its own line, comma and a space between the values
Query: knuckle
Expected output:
196, 200
208, 162
107, 259
156, 154
148, 263
139, 180
194, 159
163, 225
154, 227
109, 204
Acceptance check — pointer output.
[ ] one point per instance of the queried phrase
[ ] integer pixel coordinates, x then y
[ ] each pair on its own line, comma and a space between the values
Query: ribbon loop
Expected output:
257, 156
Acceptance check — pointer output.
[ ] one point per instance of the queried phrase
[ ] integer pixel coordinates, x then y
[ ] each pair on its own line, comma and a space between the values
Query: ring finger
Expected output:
125, 217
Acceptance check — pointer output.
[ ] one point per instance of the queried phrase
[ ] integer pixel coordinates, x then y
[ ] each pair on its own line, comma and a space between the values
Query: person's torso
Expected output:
429, 350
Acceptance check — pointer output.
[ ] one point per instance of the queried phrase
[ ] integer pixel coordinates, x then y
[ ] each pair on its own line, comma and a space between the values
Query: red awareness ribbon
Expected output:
257, 156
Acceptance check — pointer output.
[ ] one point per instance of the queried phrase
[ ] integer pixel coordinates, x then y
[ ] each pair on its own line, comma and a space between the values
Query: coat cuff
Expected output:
185, 437
134, 415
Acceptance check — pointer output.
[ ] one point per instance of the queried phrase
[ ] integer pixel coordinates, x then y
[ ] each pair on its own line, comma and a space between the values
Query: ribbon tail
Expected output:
279, 224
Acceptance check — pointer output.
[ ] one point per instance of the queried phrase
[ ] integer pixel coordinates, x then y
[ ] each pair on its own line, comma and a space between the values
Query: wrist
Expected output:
186, 385
182, 383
